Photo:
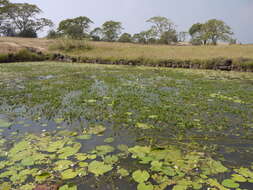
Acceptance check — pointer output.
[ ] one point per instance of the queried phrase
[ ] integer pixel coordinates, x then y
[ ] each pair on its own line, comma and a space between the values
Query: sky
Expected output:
238, 14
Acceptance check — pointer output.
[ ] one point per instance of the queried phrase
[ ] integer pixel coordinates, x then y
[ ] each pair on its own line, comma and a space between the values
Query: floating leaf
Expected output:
143, 186
111, 159
123, 172
140, 176
28, 187
55, 146
58, 120
68, 174
230, 183
180, 187
92, 101
83, 164
245, 172
238, 178
5, 186
143, 126
81, 156
109, 140
4, 123
84, 137
123, 147
29, 161
68, 187
99, 168
62, 165
42, 177
69, 151
104, 149
98, 129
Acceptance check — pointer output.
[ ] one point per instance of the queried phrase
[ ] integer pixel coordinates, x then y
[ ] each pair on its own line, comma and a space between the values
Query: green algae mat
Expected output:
79, 126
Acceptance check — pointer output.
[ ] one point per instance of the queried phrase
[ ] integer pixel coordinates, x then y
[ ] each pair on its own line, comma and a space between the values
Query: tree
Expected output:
182, 36
52, 34
28, 33
126, 37
76, 28
111, 30
138, 38
169, 37
216, 30
145, 37
96, 34
161, 25
198, 35
210, 32
23, 17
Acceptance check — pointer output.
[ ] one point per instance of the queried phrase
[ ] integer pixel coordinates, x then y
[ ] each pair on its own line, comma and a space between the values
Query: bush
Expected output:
29, 33
21, 56
4, 58
52, 34
70, 45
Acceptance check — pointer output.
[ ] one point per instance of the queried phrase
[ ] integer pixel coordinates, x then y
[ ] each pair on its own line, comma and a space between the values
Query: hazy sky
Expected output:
133, 13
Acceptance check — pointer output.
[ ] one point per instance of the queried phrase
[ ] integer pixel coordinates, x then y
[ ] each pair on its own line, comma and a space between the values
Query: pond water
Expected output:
80, 126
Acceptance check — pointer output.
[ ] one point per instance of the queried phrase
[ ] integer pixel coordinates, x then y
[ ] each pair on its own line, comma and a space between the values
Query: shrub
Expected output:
52, 34
4, 58
28, 33
70, 45
21, 56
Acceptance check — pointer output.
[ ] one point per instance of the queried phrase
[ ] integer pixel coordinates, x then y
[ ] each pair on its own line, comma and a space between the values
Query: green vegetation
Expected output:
20, 19
70, 45
77, 126
210, 32
21, 56
76, 28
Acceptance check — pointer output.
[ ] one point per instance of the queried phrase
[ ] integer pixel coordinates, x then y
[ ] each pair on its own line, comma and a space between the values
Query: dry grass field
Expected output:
132, 51
11, 45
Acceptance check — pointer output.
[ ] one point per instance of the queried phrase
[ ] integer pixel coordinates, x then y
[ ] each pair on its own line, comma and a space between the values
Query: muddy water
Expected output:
200, 128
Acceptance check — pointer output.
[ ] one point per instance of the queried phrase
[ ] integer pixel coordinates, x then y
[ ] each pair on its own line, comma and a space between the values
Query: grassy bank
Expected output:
133, 51
221, 57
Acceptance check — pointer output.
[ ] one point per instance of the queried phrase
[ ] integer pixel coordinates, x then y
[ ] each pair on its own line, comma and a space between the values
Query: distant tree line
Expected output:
21, 19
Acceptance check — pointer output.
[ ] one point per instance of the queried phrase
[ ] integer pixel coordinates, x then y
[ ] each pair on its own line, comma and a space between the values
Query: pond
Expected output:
82, 126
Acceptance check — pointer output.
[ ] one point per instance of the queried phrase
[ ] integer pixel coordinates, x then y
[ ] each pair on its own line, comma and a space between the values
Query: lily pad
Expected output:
4, 123
230, 183
99, 168
111, 159
42, 177
109, 140
143, 126
104, 149
68, 187
123, 172
140, 176
84, 137
98, 129
238, 178
81, 156
5, 186
143, 186
62, 165
69, 174
69, 151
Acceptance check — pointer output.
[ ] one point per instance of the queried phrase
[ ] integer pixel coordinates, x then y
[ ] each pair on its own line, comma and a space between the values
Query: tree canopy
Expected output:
210, 32
111, 30
75, 28
21, 18
160, 25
